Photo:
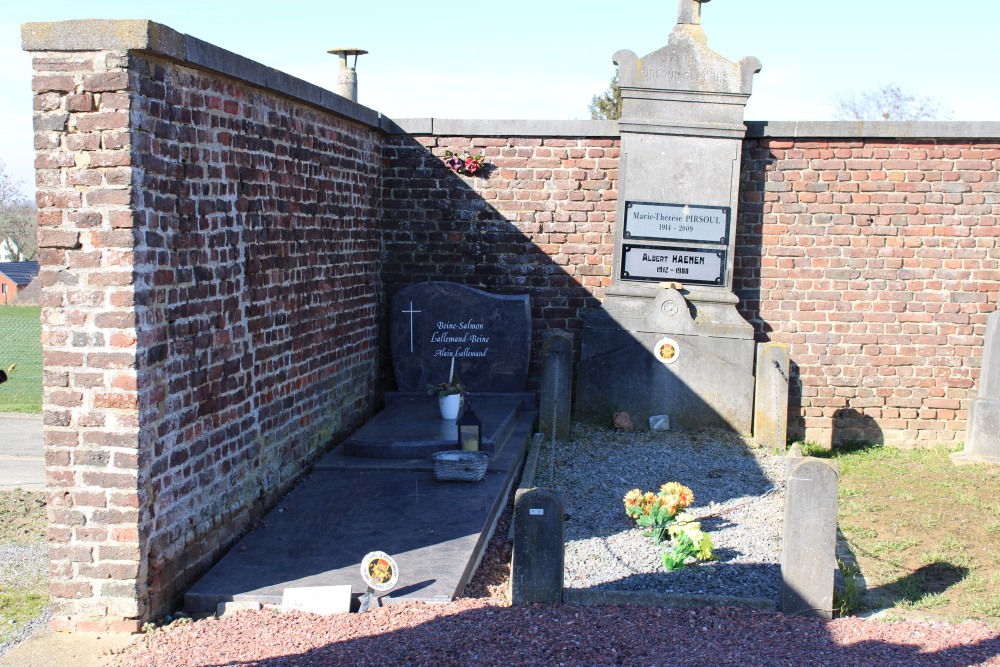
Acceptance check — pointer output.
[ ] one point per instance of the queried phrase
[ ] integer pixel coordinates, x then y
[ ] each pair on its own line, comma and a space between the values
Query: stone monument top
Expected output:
675, 242
689, 12
685, 65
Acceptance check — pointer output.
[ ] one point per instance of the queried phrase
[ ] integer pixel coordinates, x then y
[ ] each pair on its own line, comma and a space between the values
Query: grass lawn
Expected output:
21, 348
925, 533
23, 561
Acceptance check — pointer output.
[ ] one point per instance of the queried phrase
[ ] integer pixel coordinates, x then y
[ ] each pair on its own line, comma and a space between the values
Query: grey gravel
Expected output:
20, 563
738, 497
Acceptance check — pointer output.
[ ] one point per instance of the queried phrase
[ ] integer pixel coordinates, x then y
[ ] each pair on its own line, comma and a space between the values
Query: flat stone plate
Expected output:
411, 426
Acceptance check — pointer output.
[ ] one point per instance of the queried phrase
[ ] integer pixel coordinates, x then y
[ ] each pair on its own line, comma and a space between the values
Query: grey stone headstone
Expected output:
770, 408
682, 133
809, 540
982, 433
489, 336
556, 394
538, 558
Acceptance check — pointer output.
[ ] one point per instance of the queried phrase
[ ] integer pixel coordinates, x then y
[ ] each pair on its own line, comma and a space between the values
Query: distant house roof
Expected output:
20, 273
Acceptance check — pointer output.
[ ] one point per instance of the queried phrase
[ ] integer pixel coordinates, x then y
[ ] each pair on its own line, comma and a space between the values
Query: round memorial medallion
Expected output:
666, 350
669, 308
379, 570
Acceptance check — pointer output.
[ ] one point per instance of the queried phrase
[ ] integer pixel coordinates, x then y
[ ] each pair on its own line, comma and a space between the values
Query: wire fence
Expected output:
21, 358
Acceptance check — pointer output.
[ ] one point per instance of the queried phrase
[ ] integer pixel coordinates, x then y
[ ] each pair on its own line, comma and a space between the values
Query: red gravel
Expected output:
478, 632
483, 630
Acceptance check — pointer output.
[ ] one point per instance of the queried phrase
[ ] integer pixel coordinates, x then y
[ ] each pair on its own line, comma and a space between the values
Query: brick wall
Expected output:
541, 222
210, 270
877, 261
215, 261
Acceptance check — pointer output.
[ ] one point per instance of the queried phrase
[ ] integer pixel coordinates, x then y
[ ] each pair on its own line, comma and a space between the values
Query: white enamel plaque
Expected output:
676, 222
684, 265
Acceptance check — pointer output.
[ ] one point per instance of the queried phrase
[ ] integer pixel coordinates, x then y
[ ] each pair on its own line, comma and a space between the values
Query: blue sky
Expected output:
538, 59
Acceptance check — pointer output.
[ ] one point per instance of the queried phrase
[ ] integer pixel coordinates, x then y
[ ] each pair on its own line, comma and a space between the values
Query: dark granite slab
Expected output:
411, 426
436, 531
488, 335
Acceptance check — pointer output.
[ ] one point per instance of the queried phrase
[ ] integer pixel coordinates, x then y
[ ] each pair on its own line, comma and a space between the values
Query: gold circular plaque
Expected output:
666, 350
379, 570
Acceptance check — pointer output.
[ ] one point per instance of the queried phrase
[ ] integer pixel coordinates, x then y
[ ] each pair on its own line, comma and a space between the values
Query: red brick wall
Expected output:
215, 260
877, 261
541, 222
210, 263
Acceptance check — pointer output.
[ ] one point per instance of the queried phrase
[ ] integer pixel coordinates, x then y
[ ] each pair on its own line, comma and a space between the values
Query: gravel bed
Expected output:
21, 562
478, 632
484, 630
738, 498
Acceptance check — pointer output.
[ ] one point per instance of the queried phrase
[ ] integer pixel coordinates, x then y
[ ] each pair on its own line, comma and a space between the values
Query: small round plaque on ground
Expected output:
379, 570
666, 350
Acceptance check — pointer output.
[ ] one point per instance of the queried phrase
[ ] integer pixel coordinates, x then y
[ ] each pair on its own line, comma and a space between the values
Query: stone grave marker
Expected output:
809, 540
675, 245
557, 387
538, 558
982, 434
770, 408
488, 335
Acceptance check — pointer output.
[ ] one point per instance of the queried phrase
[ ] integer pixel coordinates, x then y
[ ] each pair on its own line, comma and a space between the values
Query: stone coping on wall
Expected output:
849, 129
154, 38
756, 129
459, 127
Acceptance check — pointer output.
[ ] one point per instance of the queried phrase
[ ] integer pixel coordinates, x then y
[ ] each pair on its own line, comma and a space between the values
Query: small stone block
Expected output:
659, 423
323, 600
539, 535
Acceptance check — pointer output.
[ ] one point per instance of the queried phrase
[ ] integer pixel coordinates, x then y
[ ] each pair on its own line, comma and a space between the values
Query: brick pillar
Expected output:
84, 174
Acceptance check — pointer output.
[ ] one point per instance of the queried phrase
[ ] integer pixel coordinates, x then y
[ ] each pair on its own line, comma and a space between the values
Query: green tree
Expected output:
886, 102
609, 105
18, 225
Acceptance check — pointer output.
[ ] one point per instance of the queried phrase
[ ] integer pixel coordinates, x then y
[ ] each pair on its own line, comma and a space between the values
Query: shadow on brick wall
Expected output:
438, 227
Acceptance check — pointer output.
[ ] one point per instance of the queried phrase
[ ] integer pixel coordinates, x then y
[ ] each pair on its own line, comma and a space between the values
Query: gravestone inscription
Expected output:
488, 336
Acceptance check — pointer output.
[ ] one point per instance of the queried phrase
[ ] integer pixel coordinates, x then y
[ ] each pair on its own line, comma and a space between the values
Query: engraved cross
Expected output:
411, 312
689, 11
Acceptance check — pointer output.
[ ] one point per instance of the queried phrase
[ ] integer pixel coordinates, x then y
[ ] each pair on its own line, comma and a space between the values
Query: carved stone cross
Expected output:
690, 11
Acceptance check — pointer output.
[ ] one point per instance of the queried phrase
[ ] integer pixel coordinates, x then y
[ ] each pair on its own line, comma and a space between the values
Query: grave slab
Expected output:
411, 426
347, 507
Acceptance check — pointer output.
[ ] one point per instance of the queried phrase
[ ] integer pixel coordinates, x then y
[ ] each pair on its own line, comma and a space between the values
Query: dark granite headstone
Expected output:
488, 335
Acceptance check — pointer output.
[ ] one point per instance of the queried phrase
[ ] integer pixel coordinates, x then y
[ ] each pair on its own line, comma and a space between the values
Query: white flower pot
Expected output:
450, 405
